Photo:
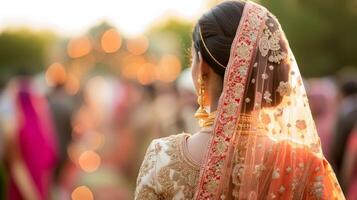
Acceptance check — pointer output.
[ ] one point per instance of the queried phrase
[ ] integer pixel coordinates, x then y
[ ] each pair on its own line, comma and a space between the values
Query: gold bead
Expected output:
201, 113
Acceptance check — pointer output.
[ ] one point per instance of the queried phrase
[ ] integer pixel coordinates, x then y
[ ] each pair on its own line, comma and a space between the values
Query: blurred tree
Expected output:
23, 51
172, 36
322, 34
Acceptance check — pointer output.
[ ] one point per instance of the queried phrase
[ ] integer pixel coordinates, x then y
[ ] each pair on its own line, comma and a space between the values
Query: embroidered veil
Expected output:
265, 144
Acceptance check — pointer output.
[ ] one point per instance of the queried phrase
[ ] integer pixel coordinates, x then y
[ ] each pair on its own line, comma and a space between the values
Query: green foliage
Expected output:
322, 34
2, 181
23, 51
172, 36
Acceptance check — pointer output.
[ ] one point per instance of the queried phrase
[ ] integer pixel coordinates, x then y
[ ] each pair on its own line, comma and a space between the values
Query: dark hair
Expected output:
349, 87
218, 28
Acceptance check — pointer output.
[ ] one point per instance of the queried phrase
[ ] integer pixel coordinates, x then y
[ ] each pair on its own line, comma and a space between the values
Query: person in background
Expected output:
2, 167
187, 101
322, 95
349, 167
62, 106
31, 150
345, 124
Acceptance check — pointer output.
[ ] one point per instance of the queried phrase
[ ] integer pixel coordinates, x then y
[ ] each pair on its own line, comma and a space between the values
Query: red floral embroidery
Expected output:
243, 49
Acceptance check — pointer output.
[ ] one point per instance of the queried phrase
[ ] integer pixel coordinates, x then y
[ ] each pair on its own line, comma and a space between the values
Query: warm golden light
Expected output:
73, 152
56, 74
146, 74
169, 68
96, 140
111, 41
82, 193
130, 71
72, 84
89, 161
79, 47
138, 45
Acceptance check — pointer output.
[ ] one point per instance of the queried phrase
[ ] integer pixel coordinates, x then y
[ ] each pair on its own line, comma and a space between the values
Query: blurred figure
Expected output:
345, 124
62, 106
96, 143
349, 167
30, 150
187, 101
322, 95
2, 144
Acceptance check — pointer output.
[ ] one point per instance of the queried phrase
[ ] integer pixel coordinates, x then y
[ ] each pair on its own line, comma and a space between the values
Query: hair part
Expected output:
214, 33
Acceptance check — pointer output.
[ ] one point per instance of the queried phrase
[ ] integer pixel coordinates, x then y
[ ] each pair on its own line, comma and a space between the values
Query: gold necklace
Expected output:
209, 121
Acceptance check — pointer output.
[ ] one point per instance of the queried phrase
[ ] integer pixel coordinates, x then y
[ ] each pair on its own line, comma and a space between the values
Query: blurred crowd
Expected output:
86, 145
79, 128
90, 145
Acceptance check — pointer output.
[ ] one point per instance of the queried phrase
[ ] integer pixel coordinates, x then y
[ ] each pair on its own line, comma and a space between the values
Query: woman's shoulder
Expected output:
161, 152
168, 141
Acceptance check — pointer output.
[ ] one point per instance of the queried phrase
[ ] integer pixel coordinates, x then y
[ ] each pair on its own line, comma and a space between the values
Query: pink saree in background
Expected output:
351, 171
35, 141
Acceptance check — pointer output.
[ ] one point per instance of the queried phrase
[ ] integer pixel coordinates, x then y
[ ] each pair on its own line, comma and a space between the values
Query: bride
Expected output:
258, 140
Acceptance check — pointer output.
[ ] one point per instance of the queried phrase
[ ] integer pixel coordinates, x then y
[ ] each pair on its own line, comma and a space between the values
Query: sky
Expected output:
74, 17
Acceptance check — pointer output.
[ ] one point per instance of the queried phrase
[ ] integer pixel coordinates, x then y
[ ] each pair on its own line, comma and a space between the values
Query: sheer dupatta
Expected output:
265, 144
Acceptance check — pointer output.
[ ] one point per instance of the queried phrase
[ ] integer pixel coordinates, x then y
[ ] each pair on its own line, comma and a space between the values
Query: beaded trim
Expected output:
243, 49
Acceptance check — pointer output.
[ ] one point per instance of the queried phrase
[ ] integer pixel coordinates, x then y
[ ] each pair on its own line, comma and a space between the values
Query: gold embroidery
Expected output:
265, 76
267, 97
147, 193
276, 174
284, 88
177, 175
265, 118
258, 170
301, 124
270, 41
149, 161
243, 70
243, 50
317, 187
240, 90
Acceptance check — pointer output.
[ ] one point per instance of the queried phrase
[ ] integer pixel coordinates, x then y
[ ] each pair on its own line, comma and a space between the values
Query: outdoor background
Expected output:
115, 75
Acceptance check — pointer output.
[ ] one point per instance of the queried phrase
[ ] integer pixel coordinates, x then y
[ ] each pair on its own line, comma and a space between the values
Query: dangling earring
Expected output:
201, 114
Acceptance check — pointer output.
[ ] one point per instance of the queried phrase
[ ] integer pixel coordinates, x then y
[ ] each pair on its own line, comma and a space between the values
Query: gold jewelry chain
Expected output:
204, 44
245, 126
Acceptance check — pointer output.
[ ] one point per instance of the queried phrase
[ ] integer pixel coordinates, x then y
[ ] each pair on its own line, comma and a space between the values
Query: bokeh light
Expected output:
89, 161
129, 71
137, 45
131, 66
96, 140
82, 193
72, 84
79, 47
111, 41
146, 74
56, 74
169, 68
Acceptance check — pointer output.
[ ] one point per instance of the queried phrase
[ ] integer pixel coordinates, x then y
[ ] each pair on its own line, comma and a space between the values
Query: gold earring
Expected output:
201, 114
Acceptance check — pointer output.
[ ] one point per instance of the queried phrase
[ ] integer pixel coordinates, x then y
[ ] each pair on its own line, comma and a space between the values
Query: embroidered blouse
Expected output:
168, 172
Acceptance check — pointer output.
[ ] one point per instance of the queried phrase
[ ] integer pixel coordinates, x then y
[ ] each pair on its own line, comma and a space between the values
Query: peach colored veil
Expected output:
265, 144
